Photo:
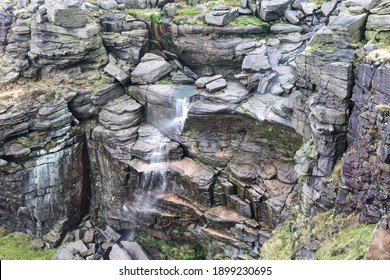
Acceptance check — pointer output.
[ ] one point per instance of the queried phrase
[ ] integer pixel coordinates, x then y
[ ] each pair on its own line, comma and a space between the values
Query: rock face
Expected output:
223, 18
68, 13
151, 68
45, 164
273, 9
379, 248
212, 134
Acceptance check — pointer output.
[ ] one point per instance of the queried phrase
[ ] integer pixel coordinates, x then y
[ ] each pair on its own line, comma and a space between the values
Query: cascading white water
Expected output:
175, 126
181, 113
154, 183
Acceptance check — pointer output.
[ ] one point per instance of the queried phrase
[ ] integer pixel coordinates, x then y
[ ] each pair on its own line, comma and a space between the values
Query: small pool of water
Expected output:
181, 92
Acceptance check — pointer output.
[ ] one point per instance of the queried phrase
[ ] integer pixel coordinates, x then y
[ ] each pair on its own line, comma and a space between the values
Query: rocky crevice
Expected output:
146, 134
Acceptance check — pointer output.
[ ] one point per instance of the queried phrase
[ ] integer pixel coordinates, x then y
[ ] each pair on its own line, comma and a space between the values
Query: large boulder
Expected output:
68, 13
221, 18
380, 244
273, 9
151, 68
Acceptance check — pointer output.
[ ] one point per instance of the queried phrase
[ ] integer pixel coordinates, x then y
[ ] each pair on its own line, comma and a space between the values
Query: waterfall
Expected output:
154, 183
181, 113
175, 126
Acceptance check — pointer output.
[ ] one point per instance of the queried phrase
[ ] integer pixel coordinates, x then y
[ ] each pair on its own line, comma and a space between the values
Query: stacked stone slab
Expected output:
124, 37
367, 159
378, 23
325, 110
18, 44
273, 9
348, 29
5, 24
38, 132
90, 242
68, 13
54, 46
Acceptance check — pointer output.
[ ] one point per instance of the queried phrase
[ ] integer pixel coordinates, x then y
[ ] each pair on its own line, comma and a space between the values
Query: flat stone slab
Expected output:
9, 78
135, 250
203, 81
118, 74
151, 68
68, 13
216, 85
219, 18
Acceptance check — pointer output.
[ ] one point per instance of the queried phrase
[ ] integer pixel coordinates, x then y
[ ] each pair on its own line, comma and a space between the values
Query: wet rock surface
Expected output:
190, 128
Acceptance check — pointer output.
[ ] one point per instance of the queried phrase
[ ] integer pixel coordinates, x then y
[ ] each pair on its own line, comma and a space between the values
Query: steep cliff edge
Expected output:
208, 123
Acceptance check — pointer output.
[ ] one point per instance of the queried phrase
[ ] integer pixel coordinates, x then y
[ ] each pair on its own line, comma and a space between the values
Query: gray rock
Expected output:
298, 4
118, 74
108, 4
180, 78
66, 13
328, 7
118, 253
216, 85
249, 47
111, 234
378, 22
170, 9
273, 9
220, 7
151, 68
291, 16
135, 250
9, 78
348, 24
3, 162
76, 247
240, 206
215, 18
203, 81
37, 243
308, 8
245, 12
255, 63
63, 254
285, 28
89, 235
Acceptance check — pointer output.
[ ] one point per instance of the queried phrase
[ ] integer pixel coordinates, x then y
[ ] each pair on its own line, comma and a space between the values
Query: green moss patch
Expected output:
351, 242
16, 246
154, 15
248, 20
171, 250
280, 246
321, 49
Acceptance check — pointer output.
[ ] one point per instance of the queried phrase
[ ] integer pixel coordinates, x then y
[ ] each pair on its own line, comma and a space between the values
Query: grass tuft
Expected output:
171, 250
16, 246
248, 20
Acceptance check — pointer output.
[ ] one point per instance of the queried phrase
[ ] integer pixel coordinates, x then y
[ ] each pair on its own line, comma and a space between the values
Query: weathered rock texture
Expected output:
220, 162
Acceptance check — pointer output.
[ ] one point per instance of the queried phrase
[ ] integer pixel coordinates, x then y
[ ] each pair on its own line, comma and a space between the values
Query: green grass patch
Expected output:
321, 49
383, 109
318, 2
188, 11
280, 246
248, 20
154, 15
16, 246
349, 244
171, 250
230, 3
164, 82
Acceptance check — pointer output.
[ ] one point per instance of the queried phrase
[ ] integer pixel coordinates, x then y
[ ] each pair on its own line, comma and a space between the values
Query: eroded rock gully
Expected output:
192, 128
